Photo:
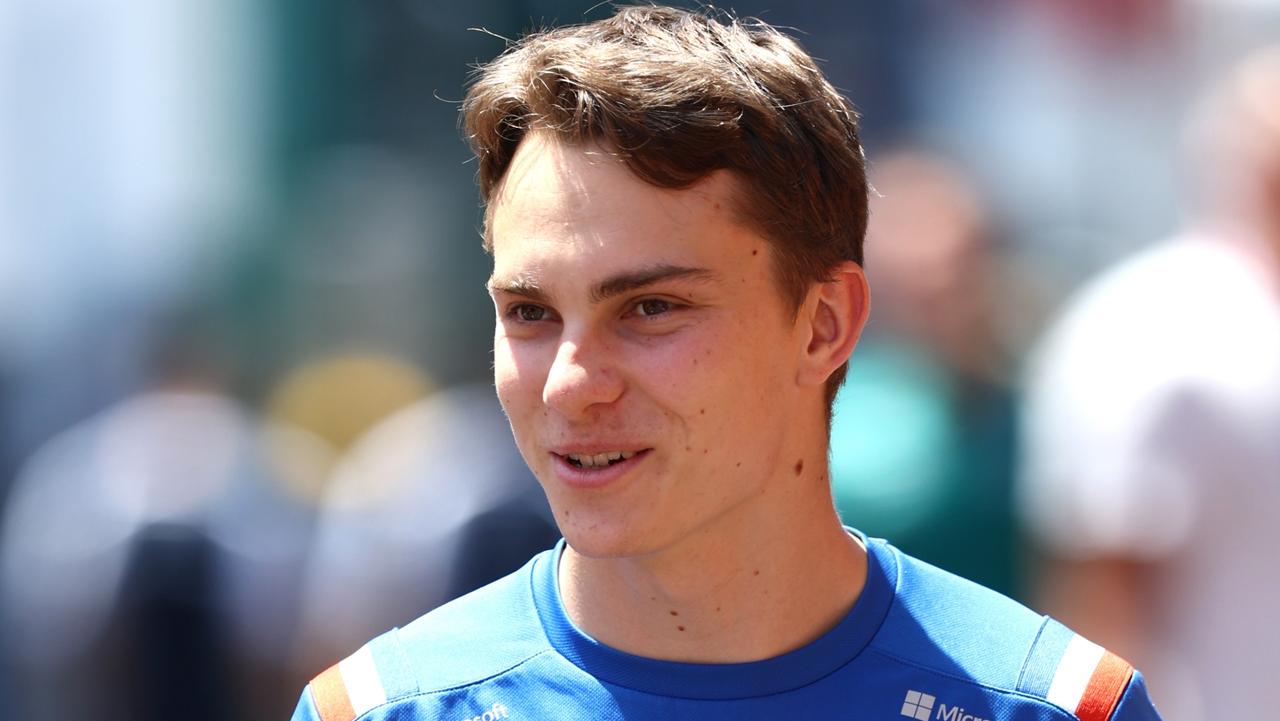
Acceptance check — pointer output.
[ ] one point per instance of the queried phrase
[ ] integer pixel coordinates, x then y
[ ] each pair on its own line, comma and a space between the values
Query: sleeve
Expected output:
306, 710
371, 678
1135, 704
1082, 678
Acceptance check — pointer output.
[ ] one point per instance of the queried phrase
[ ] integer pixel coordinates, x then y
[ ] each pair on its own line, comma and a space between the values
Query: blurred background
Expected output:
246, 413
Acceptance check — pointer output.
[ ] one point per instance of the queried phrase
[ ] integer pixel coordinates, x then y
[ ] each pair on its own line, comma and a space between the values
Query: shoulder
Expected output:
477, 636
953, 633
467, 641
946, 623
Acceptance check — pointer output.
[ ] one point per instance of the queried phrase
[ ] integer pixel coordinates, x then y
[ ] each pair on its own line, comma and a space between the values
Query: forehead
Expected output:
560, 201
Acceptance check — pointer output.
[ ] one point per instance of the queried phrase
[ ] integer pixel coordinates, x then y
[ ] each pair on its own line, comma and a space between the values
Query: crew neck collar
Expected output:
791, 670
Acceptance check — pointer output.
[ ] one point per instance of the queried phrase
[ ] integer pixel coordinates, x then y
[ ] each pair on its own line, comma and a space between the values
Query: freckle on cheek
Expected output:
680, 627
799, 466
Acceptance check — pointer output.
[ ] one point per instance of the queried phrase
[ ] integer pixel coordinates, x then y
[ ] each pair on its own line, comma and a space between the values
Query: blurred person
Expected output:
151, 555
129, 166
129, 169
1152, 472
431, 503
676, 207
923, 437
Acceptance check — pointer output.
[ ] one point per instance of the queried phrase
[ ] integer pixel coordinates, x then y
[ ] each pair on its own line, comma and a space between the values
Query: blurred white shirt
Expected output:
1153, 433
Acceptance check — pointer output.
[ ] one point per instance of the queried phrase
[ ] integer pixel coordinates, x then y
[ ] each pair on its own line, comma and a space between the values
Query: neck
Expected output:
750, 585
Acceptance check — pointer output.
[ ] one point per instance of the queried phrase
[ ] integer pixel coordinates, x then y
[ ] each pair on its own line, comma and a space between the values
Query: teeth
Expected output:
599, 460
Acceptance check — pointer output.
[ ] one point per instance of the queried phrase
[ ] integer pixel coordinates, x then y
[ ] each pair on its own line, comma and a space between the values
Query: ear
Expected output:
834, 315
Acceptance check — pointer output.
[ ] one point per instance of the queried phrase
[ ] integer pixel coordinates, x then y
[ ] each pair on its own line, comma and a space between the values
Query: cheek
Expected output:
512, 376
729, 358
737, 380
519, 397
700, 384
679, 370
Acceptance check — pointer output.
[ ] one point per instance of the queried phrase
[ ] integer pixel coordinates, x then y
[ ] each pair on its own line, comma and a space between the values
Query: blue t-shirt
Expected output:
919, 644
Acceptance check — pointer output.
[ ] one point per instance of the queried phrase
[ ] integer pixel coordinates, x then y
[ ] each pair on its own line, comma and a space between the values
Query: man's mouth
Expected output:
598, 460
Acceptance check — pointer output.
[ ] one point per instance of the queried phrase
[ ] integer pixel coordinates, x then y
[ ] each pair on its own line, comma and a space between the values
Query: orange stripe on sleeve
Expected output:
1107, 684
330, 695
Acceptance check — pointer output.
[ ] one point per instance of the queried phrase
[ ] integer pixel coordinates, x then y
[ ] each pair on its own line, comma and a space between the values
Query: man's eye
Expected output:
652, 307
529, 313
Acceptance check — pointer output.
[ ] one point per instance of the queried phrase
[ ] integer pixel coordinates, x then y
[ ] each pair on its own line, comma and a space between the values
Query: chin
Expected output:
604, 540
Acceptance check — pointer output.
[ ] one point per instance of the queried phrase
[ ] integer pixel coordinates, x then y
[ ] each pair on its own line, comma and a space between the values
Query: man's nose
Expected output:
582, 376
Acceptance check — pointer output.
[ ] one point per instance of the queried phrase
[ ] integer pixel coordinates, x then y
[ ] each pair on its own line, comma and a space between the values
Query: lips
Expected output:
594, 468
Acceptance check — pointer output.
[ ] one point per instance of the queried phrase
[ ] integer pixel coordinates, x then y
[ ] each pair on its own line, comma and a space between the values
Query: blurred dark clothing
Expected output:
154, 552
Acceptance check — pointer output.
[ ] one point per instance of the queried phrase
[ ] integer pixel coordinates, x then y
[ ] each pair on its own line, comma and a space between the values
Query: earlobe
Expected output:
837, 311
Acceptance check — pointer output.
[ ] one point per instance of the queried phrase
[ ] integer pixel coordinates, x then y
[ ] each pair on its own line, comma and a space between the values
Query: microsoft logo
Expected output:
918, 706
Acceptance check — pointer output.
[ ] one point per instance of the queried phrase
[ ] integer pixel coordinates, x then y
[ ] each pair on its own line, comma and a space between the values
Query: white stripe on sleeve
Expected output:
364, 686
1074, 671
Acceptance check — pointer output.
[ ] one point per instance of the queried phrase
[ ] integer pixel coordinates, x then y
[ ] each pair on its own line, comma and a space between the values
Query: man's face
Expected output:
643, 353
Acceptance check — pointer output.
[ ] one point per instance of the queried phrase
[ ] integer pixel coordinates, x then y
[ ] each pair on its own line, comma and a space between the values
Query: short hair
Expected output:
677, 95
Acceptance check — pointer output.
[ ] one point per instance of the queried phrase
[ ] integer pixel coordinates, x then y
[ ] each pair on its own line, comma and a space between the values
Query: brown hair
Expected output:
677, 95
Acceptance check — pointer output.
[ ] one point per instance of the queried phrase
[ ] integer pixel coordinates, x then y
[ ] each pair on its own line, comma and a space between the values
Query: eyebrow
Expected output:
520, 285
609, 287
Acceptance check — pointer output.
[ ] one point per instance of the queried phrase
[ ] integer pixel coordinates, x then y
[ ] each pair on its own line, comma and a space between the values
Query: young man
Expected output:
676, 206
